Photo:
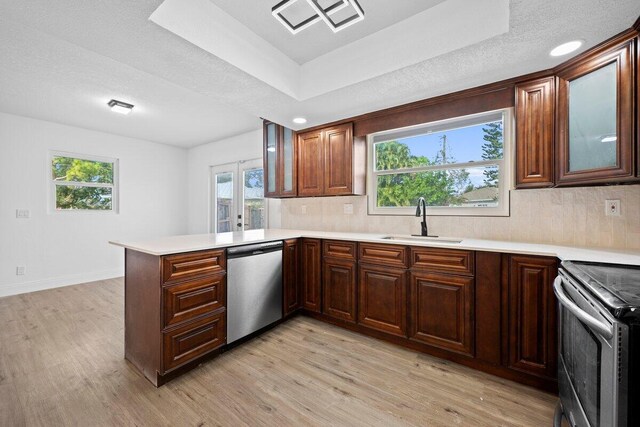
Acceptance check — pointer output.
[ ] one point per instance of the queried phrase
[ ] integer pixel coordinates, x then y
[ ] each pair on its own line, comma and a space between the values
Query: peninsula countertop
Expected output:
197, 242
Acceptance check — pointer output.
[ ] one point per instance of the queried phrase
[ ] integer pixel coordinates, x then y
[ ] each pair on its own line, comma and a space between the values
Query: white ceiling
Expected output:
63, 60
318, 39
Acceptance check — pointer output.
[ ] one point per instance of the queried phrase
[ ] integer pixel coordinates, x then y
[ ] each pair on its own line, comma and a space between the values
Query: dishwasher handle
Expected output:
255, 249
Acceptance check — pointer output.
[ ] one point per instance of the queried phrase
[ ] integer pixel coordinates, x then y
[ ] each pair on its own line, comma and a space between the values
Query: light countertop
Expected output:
196, 242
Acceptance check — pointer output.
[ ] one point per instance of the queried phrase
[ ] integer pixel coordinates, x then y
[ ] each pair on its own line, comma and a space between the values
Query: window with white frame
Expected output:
461, 166
83, 183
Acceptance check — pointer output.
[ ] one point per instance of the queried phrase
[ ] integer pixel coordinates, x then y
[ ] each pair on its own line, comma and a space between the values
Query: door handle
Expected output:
593, 323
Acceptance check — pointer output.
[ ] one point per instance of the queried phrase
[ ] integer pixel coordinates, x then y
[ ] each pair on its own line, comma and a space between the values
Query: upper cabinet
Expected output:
279, 161
578, 126
331, 162
595, 116
535, 133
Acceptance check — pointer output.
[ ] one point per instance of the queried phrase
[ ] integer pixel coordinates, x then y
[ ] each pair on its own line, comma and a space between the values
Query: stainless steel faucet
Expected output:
423, 225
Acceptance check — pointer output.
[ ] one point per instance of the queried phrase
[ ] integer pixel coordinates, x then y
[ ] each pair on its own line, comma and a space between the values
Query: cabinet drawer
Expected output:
187, 300
383, 254
193, 264
194, 339
445, 260
338, 249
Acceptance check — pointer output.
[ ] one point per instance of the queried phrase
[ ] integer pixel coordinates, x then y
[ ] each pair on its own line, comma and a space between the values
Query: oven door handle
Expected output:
603, 329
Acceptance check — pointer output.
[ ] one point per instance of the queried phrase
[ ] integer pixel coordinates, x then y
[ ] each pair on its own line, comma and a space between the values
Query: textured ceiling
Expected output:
61, 60
319, 39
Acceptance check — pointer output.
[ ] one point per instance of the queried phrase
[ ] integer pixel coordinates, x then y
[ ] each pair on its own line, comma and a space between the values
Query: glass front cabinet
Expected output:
279, 161
595, 123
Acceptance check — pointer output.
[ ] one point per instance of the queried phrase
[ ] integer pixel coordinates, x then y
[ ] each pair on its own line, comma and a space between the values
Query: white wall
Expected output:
246, 146
65, 248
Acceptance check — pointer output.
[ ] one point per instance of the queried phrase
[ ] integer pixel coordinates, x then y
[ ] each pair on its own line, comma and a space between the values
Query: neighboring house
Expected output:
480, 197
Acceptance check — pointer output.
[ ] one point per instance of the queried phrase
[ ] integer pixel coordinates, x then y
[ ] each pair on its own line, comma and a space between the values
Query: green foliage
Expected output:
80, 170
438, 187
492, 149
68, 169
89, 198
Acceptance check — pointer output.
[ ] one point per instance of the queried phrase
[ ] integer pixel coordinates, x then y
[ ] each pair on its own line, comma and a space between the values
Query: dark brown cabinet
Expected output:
441, 298
175, 310
595, 116
532, 333
382, 287
339, 286
382, 294
279, 157
311, 274
535, 107
290, 282
441, 311
331, 162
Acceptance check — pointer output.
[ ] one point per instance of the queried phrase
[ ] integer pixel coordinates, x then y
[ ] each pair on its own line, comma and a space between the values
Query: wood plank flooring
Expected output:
61, 363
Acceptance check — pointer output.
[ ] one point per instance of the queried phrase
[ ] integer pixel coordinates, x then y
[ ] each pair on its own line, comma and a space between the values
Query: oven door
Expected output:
590, 358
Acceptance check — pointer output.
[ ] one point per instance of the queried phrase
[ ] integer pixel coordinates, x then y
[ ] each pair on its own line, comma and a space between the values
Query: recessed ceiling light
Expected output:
566, 48
299, 120
120, 107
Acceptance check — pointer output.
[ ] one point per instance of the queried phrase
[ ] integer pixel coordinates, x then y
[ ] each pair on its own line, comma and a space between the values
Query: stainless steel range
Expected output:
599, 348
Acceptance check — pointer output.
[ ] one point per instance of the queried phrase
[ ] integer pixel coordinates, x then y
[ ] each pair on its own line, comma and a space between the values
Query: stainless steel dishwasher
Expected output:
254, 288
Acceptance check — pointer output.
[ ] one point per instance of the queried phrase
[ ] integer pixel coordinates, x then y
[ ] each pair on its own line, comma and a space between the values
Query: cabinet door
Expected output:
532, 315
595, 117
534, 133
310, 267
383, 298
339, 289
310, 164
441, 311
287, 169
270, 159
338, 163
290, 267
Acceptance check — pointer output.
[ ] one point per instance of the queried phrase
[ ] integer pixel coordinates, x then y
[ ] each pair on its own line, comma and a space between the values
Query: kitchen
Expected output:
381, 323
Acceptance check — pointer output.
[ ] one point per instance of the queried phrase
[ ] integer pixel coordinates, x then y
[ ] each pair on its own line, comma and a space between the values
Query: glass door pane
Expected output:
593, 120
271, 157
287, 145
224, 206
253, 201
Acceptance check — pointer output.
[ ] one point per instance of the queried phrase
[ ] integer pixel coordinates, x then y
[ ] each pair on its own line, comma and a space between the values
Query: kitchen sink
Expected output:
424, 239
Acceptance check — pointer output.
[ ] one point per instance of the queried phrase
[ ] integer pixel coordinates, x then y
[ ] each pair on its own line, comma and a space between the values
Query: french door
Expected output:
237, 197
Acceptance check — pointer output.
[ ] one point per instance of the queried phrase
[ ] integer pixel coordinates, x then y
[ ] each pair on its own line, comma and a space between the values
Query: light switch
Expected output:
23, 213
303, 209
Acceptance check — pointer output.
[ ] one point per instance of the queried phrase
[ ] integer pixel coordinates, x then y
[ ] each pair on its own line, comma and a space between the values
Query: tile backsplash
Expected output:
566, 216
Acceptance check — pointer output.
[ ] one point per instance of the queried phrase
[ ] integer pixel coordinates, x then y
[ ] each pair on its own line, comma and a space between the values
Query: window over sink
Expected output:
461, 166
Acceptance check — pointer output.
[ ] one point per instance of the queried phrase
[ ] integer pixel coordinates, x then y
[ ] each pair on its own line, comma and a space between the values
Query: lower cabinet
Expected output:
339, 288
532, 313
290, 283
187, 342
383, 298
310, 274
441, 311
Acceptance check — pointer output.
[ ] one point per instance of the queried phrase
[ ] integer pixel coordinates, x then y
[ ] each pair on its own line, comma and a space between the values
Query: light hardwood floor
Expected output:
61, 363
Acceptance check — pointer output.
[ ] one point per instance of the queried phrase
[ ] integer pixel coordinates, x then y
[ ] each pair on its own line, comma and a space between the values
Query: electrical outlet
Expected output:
303, 209
21, 270
23, 213
348, 208
612, 207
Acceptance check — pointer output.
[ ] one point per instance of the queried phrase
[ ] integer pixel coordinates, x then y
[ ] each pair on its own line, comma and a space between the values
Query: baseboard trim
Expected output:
58, 282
